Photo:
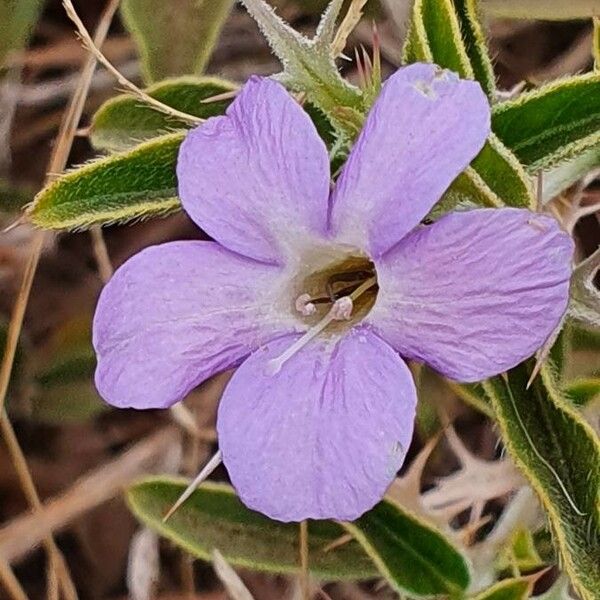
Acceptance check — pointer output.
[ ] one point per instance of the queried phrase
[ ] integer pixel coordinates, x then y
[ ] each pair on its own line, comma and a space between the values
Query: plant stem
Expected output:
304, 575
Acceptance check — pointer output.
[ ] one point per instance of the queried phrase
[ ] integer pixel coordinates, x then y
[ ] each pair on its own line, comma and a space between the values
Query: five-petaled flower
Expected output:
318, 295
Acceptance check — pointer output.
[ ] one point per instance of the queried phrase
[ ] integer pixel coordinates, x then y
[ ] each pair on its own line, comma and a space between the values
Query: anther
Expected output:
342, 309
304, 305
275, 364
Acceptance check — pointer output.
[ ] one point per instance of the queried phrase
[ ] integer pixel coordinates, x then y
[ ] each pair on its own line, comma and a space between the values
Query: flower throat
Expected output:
340, 296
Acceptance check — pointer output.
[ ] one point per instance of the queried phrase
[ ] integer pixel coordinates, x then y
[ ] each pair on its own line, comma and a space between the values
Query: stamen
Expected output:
342, 309
275, 364
305, 306
210, 466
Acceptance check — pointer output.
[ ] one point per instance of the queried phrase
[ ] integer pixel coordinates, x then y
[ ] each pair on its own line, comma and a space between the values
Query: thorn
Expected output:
359, 67
536, 371
210, 466
218, 97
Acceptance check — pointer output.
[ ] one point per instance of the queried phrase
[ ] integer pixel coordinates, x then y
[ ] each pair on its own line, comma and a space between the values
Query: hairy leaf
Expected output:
435, 36
475, 44
131, 185
123, 122
560, 455
309, 66
474, 395
175, 37
584, 305
413, 556
583, 391
509, 589
214, 517
551, 124
558, 179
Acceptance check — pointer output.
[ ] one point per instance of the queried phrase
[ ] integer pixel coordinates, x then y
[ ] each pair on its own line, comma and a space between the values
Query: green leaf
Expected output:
214, 517
558, 179
520, 553
541, 9
64, 390
551, 124
434, 36
131, 185
474, 395
583, 391
503, 174
560, 456
175, 37
509, 589
476, 45
413, 556
123, 122
17, 19
309, 66
584, 305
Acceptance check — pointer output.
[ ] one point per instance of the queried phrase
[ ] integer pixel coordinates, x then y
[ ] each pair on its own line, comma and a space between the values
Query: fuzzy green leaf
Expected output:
413, 556
558, 179
552, 124
17, 19
123, 122
474, 395
435, 36
583, 391
132, 185
309, 66
560, 456
476, 45
175, 37
584, 305
214, 517
509, 589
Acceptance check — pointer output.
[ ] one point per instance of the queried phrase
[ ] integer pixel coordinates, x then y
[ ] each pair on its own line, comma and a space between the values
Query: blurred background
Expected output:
81, 453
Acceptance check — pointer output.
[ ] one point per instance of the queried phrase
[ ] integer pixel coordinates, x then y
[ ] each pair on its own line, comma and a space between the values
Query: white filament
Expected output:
338, 312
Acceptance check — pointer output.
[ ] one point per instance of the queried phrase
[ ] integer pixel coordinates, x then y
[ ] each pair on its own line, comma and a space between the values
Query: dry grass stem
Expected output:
353, 16
57, 164
19, 462
304, 574
92, 46
105, 268
229, 578
11, 584
25, 533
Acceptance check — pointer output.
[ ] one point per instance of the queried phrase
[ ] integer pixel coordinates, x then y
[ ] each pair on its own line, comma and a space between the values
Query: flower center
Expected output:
332, 299
332, 287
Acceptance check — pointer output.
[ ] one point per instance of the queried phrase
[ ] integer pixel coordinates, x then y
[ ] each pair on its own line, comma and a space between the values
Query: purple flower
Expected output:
317, 294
